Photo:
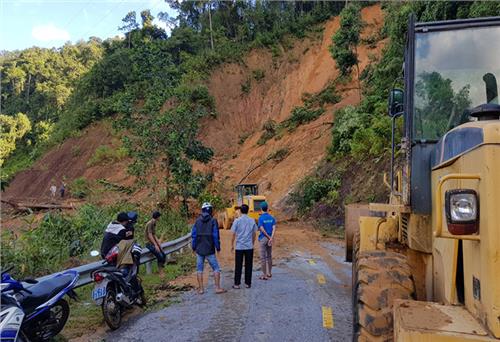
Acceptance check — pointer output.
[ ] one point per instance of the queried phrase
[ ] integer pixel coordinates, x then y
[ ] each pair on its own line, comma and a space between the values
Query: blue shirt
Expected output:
244, 228
267, 221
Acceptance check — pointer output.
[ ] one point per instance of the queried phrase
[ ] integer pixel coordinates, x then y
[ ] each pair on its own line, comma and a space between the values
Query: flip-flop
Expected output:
220, 291
236, 287
201, 292
263, 278
269, 276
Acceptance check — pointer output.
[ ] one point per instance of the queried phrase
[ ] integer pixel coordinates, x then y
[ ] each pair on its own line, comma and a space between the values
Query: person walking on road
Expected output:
267, 228
205, 241
244, 232
153, 243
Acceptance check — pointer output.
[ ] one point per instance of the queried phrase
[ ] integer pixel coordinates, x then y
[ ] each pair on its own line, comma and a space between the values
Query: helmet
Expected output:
206, 205
132, 216
206, 208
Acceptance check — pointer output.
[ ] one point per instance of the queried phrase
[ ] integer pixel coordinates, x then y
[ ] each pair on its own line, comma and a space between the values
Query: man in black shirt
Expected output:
114, 233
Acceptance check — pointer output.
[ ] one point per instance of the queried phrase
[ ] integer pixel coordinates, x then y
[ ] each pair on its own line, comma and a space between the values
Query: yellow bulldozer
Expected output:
245, 194
426, 265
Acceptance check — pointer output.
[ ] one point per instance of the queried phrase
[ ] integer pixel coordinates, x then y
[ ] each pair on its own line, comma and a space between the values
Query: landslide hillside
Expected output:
267, 85
305, 68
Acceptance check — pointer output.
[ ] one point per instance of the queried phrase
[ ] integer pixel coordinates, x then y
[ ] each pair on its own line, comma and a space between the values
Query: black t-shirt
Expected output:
129, 231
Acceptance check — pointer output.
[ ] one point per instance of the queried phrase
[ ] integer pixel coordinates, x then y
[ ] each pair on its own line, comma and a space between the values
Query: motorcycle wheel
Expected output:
142, 301
53, 325
111, 310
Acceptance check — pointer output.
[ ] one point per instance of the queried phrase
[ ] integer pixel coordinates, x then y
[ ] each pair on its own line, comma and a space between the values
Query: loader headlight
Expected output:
462, 211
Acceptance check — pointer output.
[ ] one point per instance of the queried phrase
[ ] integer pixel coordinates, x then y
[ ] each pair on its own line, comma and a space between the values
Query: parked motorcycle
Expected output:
11, 318
44, 310
117, 285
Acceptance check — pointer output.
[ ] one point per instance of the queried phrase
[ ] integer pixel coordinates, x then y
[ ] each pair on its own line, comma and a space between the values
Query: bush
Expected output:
302, 115
105, 154
270, 128
258, 74
246, 86
279, 155
313, 189
79, 188
218, 203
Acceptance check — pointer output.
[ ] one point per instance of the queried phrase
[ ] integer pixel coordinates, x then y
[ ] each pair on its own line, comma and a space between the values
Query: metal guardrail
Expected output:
84, 271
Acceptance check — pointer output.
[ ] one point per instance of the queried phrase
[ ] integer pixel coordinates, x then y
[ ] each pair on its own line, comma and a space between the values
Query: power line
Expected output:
102, 19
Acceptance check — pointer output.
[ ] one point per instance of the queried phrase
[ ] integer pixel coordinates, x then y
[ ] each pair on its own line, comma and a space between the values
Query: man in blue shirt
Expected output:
267, 228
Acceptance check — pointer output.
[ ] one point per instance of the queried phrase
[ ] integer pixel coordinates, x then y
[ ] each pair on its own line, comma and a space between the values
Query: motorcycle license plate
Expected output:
99, 292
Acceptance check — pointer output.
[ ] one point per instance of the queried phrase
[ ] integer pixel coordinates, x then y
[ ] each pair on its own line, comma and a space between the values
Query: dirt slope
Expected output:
305, 68
69, 161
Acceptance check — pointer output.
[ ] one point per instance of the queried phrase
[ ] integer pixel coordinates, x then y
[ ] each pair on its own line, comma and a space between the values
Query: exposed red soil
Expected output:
306, 68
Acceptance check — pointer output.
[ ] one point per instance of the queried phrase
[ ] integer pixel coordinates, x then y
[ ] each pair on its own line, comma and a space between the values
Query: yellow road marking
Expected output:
312, 262
321, 279
327, 317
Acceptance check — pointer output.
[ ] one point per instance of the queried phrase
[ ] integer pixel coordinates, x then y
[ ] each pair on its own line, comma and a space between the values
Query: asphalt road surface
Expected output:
308, 299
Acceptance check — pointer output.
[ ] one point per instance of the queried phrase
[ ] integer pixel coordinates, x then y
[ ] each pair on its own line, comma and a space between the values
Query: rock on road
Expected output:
308, 283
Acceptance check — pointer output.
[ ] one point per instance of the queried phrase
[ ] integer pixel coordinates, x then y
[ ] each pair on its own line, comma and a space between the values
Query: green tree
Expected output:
346, 39
129, 24
12, 128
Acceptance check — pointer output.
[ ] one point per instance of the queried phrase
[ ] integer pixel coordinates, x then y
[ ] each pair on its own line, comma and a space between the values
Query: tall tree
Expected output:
129, 25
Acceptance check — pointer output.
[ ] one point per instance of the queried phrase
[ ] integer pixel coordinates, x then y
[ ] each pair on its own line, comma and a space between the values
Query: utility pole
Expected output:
210, 22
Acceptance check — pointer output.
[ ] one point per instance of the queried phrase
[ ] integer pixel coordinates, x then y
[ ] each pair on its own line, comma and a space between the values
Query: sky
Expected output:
51, 23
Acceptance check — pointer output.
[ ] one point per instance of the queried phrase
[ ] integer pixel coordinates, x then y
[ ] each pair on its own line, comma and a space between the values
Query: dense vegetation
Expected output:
61, 241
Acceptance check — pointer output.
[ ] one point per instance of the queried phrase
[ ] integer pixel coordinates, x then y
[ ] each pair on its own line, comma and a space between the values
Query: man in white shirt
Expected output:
244, 232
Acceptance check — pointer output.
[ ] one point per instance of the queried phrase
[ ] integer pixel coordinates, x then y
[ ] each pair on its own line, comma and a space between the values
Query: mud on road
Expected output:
308, 299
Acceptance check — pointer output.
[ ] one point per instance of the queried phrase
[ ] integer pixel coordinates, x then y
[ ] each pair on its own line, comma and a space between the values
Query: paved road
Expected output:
294, 306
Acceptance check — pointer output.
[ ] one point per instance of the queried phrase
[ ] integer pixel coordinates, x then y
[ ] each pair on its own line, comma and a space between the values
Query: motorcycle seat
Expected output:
43, 291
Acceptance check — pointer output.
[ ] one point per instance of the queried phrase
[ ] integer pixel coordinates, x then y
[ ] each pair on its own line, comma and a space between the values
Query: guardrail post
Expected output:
149, 267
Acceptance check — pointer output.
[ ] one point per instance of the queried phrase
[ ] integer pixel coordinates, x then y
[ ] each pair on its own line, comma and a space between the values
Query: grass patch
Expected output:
105, 154
79, 187
115, 187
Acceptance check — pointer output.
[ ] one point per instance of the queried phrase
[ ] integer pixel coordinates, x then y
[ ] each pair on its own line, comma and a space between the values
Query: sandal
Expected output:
200, 292
248, 286
220, 291
262, 277
236, 287
269, 276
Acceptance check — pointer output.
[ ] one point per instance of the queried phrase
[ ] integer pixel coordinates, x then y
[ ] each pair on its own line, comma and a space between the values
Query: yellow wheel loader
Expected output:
426, 266
245, 194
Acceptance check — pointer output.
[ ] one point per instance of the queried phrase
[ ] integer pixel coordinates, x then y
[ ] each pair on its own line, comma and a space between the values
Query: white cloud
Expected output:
49, 32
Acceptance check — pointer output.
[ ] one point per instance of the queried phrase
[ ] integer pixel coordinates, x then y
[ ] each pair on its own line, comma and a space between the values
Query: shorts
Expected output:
212, 260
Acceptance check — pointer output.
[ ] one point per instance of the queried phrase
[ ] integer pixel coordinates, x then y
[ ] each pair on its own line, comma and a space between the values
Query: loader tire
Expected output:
379, 277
